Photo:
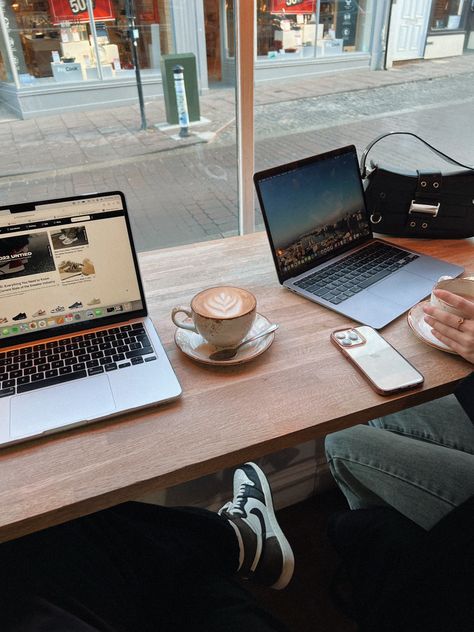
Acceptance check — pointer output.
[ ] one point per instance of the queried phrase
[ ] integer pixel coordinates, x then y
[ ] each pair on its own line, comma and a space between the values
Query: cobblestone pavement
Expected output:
181, 191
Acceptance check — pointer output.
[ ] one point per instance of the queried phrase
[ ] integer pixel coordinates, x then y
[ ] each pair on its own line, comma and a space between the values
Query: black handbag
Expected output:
422, 203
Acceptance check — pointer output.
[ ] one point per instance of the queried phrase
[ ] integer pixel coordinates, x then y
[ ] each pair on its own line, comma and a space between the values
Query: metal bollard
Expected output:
181, 103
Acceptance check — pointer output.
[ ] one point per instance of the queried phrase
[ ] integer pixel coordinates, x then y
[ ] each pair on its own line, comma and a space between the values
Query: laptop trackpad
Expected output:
403, 288
38, 411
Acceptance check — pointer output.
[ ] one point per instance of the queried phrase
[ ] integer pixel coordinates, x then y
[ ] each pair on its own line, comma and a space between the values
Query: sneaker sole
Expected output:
287, 553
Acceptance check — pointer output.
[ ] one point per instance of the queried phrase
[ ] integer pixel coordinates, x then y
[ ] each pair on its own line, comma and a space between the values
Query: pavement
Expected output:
185, 190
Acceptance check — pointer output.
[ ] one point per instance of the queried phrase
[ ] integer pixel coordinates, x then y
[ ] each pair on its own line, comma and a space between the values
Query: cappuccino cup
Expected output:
222, 315
463, 287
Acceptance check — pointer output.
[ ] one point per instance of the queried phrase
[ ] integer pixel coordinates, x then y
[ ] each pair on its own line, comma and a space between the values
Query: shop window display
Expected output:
289, 29
447, 15
53, 40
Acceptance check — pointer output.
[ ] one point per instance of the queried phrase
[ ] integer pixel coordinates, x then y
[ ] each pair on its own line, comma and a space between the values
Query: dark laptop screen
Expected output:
313, 209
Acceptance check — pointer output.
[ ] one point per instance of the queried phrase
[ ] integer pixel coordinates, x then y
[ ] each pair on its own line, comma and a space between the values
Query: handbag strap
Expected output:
363, 159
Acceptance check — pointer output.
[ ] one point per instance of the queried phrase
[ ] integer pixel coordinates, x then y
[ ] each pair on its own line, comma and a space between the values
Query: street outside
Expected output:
185, 190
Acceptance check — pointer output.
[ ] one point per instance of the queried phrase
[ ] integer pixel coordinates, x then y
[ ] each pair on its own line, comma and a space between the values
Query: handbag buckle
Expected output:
426, 209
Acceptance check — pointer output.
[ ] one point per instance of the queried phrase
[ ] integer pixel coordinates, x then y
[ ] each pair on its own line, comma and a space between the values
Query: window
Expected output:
74, 77
447, 15
304, 29
59, 41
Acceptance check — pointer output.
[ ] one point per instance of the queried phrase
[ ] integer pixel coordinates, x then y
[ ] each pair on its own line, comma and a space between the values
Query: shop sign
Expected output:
293, 6
76, 10
347, 13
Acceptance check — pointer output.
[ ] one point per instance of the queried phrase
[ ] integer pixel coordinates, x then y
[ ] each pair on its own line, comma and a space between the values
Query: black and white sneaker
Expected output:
265, 554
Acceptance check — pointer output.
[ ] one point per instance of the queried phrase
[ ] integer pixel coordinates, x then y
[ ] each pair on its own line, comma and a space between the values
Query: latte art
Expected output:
223, 302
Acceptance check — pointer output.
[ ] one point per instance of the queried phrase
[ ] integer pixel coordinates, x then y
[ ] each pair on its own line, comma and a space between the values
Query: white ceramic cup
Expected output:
463, 287
222, 315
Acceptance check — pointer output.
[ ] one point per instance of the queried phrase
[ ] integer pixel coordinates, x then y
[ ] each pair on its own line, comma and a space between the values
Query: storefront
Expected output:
450, 28
297, 37
60, 54
430, 29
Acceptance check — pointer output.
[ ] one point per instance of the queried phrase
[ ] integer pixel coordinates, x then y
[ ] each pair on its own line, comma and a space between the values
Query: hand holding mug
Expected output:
451, 316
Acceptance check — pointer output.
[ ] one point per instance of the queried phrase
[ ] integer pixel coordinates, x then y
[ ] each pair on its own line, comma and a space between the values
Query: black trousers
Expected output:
132, 568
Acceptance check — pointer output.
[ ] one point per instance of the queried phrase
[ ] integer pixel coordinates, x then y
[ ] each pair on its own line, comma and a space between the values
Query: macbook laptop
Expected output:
76, 344
323, 247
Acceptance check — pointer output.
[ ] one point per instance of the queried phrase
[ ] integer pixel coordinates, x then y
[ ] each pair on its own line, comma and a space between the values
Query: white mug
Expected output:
222, 315
463, 287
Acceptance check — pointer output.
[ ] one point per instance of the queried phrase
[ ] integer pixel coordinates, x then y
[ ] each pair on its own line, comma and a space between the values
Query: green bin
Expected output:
188, 62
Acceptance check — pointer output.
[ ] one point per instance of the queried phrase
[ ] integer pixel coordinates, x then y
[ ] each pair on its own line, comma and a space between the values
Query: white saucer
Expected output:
421, 329
195, 347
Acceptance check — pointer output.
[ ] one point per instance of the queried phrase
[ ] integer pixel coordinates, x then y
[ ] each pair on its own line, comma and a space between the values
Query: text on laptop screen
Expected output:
314, 209
65, 263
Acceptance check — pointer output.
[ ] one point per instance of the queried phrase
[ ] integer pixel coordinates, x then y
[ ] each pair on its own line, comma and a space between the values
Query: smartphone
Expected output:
386, 370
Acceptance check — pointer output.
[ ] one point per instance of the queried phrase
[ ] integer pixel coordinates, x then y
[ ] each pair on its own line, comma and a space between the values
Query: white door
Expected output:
409, 26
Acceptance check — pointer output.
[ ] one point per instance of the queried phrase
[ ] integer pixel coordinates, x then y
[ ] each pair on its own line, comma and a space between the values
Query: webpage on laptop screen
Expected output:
64, 263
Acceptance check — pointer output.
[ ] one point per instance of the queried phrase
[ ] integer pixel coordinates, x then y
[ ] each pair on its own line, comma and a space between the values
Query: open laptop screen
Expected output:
313, 209
66, 264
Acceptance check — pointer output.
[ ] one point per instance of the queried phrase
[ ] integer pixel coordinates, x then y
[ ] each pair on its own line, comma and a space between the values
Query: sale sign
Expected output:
76, 10
293, 6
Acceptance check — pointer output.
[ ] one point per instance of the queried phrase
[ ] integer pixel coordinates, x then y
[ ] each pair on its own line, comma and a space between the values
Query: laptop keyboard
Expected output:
342, 279
58, 361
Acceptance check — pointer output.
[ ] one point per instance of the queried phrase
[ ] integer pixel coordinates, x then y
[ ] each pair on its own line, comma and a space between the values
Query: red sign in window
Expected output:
293, 6
76, 10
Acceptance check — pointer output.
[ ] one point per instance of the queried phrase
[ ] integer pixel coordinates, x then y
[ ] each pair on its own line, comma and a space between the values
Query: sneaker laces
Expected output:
236, 507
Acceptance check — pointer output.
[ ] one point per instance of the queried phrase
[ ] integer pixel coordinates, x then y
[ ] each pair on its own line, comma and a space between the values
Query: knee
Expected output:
342, 442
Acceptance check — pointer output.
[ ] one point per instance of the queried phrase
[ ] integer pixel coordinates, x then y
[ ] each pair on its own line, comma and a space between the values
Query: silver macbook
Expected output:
76, 344
322, 243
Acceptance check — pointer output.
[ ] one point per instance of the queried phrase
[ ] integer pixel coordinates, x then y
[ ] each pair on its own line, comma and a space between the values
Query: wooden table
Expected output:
300, 389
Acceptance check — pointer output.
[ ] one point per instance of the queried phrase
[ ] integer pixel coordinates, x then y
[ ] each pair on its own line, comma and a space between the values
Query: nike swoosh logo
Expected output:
256, 512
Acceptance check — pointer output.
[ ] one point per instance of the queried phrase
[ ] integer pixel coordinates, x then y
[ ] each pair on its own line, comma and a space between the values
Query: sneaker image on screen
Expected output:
72, 236
20, 316
68, 240
75, 305
94, 301
57, 309
40, 312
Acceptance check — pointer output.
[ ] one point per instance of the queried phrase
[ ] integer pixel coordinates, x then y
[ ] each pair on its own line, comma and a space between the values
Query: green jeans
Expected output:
419, 461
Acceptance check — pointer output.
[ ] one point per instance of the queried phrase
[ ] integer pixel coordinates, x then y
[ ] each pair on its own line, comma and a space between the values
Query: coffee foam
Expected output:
223, 302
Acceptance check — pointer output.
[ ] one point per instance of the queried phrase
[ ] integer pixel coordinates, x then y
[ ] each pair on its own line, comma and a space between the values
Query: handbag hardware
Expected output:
429, 209
419, 203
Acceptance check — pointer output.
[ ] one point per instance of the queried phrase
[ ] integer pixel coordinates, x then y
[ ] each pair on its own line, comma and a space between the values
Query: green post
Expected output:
188, 62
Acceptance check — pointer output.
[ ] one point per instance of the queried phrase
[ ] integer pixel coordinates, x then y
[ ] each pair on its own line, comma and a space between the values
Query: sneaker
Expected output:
94, 301
20, 316
40, 312
59, 308
75, 305
3, 320
265, 554
68, 241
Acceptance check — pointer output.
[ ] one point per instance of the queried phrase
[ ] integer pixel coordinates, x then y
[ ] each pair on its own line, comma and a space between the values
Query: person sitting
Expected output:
140, 567
416, 467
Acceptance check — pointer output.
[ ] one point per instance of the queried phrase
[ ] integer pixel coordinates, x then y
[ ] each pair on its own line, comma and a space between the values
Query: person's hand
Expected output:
457, 332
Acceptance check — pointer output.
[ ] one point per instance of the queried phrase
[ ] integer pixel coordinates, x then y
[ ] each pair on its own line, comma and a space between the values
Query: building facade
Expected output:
59, 55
